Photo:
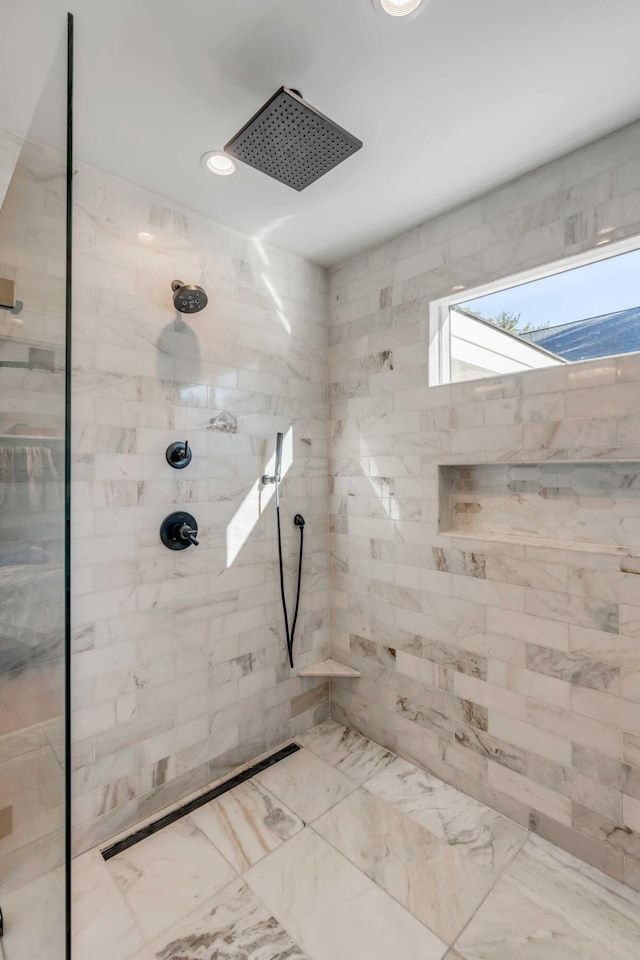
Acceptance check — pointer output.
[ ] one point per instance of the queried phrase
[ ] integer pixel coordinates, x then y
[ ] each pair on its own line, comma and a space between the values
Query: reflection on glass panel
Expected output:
32, 531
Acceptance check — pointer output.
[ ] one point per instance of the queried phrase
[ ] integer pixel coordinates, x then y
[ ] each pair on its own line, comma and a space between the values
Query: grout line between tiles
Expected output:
199, 801
499, 878
120, 892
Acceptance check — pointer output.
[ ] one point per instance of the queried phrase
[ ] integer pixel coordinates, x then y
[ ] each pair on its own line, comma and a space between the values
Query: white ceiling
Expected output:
465, 96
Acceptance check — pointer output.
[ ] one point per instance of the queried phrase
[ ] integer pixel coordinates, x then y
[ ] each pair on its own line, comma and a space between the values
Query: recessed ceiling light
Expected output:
400, 8
216, 161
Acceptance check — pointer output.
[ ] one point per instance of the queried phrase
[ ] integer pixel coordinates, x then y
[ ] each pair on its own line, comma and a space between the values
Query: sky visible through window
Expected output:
590, 291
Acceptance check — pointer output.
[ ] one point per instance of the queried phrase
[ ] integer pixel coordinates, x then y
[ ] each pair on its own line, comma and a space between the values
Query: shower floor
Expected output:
344, 851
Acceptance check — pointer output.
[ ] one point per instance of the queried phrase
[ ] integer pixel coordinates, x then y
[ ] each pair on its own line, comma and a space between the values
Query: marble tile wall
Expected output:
583, 503
509, 669
179, 665
32, 255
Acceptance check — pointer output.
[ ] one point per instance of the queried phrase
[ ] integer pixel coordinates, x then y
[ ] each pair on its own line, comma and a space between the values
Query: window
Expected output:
580, 308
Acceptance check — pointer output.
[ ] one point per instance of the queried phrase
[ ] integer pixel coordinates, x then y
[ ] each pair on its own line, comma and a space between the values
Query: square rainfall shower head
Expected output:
291, 141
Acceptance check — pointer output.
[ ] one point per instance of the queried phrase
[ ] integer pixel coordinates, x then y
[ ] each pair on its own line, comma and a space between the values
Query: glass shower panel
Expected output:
33, 524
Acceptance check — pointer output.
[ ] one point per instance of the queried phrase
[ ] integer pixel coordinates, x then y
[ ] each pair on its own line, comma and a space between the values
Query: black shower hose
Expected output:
299, 522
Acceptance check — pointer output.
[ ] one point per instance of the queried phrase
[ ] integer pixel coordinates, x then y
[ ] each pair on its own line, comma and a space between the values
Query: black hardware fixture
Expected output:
291, 141
199, 801
179, 454
276, 478
179, 530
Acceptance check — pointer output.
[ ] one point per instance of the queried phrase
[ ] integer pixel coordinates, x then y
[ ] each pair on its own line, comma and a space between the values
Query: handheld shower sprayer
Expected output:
299, 522
277, 473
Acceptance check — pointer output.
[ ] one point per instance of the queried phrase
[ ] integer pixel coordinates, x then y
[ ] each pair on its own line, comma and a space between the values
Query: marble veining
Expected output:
333, 910
510, 925
576, 502
432, 879
508, 507
476, 831
235, 925
306, 784
246, 823
375, 877
103, 925
190, 710
347, 750
598, 906
146, 873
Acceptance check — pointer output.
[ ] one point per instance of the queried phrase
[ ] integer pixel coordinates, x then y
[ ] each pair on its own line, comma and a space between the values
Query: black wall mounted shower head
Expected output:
291, 141
187, 298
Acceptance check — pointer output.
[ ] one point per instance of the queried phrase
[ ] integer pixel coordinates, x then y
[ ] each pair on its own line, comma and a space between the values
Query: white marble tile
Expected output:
246, 823
436, 883
597, 906
235, 924
167, 875
509, 925
228, 386
474, 829
328, 668
332, 910
306, 784
34, 918
103, 925
345, 749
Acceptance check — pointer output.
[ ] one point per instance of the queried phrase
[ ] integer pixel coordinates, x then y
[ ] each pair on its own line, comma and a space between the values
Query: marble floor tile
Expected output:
246, 823
345, 749
34, 918
473, 829
307, 785
508, 926
596, 905
169, 874
145, 954
332, 910
438, 885
235, 925
103, 926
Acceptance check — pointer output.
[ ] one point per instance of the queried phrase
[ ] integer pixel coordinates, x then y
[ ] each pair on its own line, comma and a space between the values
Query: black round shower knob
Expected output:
179, 454
179, 530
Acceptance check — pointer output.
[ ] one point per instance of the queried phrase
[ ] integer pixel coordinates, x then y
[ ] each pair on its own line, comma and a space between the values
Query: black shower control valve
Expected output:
179, 454
179, 530
188, 533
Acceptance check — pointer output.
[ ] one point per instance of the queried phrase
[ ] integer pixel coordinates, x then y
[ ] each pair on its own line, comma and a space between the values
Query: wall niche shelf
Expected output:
588, 505
328, 668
